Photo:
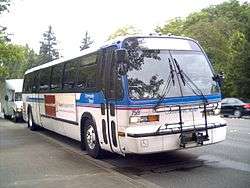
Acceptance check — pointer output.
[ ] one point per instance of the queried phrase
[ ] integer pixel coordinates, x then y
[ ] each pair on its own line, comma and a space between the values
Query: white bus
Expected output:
140, 94
12, 104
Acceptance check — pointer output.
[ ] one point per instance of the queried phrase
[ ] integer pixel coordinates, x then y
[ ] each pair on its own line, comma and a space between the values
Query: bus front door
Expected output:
109, 109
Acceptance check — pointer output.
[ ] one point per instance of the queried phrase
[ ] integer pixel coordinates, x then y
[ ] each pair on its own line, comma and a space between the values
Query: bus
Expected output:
12, 104
135, 94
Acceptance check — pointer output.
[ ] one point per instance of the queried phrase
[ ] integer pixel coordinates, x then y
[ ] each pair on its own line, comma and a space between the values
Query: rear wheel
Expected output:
91, 139
237, 113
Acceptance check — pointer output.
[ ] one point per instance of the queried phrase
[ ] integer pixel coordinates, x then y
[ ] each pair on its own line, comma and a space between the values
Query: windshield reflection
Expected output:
148, 71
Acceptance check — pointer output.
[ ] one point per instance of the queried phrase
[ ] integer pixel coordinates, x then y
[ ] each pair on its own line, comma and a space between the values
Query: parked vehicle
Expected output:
12, 106
235, 107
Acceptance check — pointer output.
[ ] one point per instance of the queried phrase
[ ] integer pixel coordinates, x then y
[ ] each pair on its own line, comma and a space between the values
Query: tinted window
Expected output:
35, 82
87, 73
56, 77
115, 84
25, 83
69, 77
44, 79
28, 82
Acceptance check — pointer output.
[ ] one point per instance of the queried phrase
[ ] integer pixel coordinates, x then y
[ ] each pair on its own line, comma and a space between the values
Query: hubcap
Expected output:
91, 138
237, 113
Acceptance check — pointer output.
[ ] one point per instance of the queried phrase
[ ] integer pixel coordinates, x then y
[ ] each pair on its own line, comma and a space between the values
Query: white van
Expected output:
12, 106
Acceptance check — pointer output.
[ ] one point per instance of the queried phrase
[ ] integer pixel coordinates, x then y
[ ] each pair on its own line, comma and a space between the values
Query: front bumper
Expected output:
170, 139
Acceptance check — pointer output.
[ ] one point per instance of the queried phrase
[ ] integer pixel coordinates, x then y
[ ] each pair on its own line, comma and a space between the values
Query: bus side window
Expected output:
44, 79
87, 73
69, 75
30, 82
26, 84
56, 77
34, 86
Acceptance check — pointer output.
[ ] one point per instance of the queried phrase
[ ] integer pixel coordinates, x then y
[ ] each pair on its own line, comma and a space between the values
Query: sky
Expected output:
28, 19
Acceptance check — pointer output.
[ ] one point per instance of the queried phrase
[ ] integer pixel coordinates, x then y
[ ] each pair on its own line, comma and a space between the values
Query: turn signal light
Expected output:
153, 118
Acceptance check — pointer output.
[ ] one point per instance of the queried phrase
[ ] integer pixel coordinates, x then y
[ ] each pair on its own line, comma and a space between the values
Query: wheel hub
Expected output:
91, 138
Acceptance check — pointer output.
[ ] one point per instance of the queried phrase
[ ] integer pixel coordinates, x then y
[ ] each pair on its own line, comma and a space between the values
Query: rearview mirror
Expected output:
121, 56
122, 69
219, 78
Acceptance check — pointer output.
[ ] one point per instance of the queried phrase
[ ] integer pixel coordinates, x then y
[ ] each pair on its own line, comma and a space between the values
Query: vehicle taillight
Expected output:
247, 106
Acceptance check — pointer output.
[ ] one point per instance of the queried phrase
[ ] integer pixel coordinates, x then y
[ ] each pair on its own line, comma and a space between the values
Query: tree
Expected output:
86, 42
4, 4
48, 51
126, 30
12, 56
224, 32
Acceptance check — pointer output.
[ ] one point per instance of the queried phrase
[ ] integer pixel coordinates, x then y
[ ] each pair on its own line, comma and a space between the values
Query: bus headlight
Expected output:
140, 119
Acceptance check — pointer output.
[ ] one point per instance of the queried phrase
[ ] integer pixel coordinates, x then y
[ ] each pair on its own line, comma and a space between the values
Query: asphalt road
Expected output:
46, 159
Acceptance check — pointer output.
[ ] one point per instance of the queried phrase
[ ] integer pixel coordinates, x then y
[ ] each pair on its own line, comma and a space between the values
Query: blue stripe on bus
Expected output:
95, 99
34, 99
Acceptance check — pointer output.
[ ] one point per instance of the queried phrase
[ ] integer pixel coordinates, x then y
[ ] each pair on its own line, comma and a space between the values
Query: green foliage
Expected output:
224, 33
11, 58
48, 51
86, 42
126, 30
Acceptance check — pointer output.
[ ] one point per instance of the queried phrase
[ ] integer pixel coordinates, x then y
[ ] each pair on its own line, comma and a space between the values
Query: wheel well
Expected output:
85, 116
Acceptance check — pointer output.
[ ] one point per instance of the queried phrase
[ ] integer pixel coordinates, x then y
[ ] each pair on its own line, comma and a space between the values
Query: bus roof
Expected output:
90, 50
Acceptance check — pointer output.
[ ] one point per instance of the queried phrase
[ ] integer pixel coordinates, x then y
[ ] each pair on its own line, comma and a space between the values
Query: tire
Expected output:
31, 125
237, 113
91, 139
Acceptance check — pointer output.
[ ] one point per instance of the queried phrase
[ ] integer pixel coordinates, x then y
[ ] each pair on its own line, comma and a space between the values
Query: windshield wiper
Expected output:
167, 86
180, 72
187, 81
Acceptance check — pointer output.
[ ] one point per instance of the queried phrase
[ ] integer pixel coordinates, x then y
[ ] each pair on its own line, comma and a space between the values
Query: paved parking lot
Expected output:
46, 159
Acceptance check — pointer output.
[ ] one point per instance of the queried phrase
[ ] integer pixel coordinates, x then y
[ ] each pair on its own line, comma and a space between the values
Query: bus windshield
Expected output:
149, 69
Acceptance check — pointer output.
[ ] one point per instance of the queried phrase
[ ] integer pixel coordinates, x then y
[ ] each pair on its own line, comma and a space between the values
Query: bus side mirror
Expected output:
219, 78
6, 98
122, 60
122, 69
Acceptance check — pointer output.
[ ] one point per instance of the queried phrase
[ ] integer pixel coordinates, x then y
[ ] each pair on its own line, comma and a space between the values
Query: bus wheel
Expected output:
31, 123
91, 139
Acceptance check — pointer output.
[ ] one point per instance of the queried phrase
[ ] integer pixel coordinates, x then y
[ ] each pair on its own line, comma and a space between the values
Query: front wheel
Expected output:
91, 140
237, 113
